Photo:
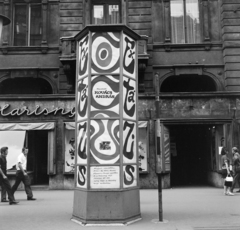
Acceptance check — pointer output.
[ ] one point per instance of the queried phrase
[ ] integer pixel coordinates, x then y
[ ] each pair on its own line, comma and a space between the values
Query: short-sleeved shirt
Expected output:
224, 160
3, 164
23, 160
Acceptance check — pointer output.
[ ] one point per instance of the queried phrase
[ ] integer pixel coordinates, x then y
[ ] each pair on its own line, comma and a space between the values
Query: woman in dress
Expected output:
226, 171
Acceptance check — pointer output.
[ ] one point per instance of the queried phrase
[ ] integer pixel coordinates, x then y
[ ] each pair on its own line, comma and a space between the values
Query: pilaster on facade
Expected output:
230, 17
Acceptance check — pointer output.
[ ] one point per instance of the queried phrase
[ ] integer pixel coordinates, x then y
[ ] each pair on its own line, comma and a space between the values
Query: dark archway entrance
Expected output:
188, 83
25, 86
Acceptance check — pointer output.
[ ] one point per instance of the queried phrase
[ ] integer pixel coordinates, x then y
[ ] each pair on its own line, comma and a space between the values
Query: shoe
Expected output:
230, 194
13, 202
4, 200
31, 198
238, 191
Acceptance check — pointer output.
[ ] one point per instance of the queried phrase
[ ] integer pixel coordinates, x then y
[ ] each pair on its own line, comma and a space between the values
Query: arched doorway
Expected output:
188, 83
193, 145
25, 86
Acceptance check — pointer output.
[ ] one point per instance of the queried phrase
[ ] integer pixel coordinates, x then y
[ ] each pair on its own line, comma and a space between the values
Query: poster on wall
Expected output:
105, 52
143, 146
105, 96
129, 98
14, 140
105, 177
69, 165
129, 176
104, 142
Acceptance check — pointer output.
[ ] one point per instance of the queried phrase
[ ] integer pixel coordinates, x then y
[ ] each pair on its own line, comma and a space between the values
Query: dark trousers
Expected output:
236, 179
7, 187
3, 193
26, 181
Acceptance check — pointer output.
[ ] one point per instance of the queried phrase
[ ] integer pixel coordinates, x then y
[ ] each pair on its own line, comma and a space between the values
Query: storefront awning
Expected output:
26, 126
69, 125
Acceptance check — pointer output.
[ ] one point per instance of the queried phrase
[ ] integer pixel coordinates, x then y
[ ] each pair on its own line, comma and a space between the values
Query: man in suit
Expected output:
3, 177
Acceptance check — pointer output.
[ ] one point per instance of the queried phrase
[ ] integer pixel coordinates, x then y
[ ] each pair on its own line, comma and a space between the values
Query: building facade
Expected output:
190, 49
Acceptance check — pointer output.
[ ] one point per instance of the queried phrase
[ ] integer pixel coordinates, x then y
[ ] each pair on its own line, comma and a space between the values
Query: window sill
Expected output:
28, 49
168, 47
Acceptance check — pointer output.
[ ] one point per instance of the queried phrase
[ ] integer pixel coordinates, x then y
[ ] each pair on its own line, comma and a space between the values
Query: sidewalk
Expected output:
198, 208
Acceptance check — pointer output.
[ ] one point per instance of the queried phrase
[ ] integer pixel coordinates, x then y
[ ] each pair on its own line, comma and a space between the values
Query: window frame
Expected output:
185, 23
87, 6
105, 5
28, 21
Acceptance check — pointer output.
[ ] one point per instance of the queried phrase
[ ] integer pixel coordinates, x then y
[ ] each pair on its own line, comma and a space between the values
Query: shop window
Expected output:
69, 133
105, 12
143, 146
185, 21
14, 140
27, 24
40, 139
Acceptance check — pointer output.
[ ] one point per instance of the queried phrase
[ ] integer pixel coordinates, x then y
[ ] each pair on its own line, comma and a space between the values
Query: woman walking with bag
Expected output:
236, 168
226, 173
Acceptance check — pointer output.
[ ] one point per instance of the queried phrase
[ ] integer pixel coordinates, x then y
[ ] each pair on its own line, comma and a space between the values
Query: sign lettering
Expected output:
37, 111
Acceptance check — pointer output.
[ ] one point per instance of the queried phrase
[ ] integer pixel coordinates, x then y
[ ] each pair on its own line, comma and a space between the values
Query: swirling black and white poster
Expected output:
129, 176
82, 146
129, 56
104, 141
129, 142
129, 98
82, 91
105, 52
83, 64
82, 176
105, 95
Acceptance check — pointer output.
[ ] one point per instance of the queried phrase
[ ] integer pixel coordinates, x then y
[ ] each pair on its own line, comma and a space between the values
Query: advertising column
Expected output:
106, 175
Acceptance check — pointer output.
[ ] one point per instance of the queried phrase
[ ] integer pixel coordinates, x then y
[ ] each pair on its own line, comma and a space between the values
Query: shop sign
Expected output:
6, 110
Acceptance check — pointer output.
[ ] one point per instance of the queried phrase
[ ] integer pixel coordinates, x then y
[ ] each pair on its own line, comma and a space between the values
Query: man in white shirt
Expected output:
21, 175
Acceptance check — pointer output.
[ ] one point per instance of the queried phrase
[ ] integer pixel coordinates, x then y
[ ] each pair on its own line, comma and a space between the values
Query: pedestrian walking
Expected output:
3, 178
22, 176
236, 168
226, 173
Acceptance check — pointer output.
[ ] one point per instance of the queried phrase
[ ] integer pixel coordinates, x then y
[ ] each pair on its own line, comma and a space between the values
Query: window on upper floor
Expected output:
35, 23
105, 12
185, 21
27, 24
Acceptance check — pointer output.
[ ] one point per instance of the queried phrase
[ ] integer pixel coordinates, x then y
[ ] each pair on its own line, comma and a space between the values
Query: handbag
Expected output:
228, 181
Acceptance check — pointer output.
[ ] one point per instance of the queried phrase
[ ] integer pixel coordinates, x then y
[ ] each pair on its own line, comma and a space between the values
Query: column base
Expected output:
106, 207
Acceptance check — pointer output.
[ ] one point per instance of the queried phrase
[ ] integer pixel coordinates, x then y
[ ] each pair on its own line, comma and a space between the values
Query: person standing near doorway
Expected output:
21, 175
236, 168
226, 171
6, 187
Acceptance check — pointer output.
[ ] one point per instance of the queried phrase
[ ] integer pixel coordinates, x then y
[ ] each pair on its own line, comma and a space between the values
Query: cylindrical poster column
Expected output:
106, 177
